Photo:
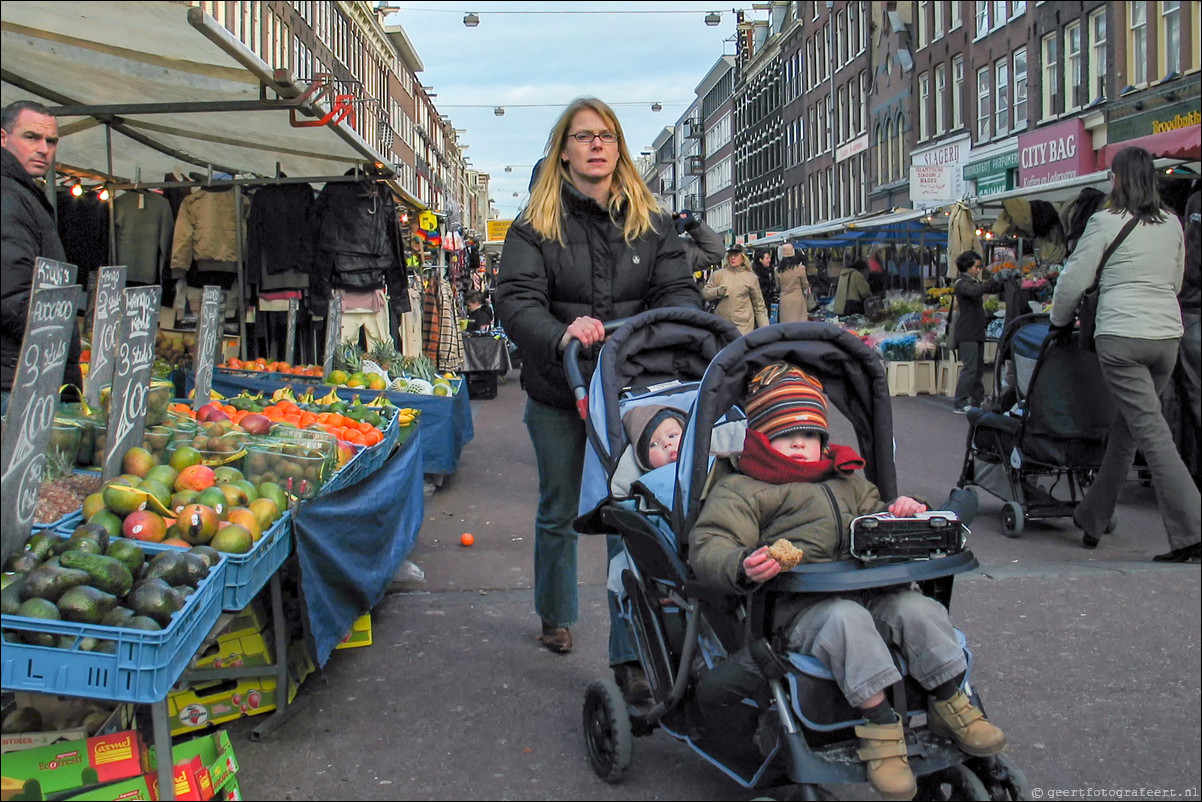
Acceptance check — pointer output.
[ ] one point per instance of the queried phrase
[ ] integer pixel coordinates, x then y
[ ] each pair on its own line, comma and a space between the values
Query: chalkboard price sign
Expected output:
333, 332
131, 376
31, 408
49, 273
208, 334
110, 286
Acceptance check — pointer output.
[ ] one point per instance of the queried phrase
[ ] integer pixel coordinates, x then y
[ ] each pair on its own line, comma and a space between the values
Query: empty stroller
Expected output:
687, 634
1038, 443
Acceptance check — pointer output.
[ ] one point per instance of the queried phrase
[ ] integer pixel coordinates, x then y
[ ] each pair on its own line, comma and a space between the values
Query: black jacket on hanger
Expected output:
280, 237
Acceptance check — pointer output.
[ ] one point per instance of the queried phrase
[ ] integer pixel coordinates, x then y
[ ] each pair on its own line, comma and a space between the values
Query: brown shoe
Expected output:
883, 750
557, 639
963, 722
631, 678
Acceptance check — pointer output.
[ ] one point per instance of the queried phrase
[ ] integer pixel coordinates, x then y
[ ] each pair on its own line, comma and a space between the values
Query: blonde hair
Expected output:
545, 211
744, 265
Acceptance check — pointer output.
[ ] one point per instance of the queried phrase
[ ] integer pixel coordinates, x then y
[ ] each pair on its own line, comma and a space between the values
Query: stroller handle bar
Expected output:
571, 366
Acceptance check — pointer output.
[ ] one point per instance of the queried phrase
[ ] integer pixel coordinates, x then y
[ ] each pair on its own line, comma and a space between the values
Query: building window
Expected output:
1018, 8
1020, 89
982, 18
1051, 77
855, 36
999, 13
924, 100
958, 92
1137, 43
940, 95
938, 20
900, 145
840, 39
957, 18
1002, 98
880, 155
921, 23
1170, 37
1096, 89
888, 159
1074, 63
984, 105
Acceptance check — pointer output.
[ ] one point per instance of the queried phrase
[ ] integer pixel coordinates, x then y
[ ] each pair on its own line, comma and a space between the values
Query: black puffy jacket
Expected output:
29, 231
543, 286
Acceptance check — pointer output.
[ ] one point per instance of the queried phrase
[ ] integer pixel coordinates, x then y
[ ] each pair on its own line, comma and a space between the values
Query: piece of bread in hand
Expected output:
786, 554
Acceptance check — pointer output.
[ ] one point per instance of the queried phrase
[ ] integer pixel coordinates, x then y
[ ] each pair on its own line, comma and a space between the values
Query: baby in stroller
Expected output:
655, 431
792, 483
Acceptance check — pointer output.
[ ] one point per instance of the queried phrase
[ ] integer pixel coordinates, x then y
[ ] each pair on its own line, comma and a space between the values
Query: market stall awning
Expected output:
1179, 143
119, 54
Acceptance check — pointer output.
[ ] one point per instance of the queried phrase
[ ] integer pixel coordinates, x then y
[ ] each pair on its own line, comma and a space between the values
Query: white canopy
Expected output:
98, 54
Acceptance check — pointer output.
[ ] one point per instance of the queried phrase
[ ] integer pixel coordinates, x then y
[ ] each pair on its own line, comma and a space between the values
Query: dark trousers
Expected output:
970, 389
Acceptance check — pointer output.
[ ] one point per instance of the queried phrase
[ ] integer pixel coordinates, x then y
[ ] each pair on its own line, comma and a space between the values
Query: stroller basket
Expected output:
882, 538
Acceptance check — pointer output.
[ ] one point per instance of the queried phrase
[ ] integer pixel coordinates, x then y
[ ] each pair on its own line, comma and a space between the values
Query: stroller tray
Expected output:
881, 538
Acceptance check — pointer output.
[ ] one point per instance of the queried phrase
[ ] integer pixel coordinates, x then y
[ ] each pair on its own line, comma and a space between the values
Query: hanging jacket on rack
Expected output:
144, 226
358, 246
279, 235
205, 231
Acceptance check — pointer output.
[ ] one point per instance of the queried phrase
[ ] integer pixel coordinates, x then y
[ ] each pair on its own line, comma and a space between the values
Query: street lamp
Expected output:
657, 107
471, 19
499, 111
713, 19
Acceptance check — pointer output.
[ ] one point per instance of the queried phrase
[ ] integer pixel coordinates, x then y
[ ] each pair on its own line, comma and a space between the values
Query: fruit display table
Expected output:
446, 420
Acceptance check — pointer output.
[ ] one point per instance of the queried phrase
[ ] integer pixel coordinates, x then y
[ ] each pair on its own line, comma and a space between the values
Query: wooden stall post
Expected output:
131, 376
208, 337
31, 407
333, 333
110, 288
290, 341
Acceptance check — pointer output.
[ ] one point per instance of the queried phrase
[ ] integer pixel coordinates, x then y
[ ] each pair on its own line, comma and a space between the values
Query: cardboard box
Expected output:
234, 651
204, 704
230, 792
62, 767
145, 788
57, 712
360, 634
214, 751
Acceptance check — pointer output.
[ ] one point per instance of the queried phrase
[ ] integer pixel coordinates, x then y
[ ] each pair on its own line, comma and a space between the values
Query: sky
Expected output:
628, 59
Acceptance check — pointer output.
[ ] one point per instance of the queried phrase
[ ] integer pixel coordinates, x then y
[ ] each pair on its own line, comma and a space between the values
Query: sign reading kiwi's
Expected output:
290, 336
49, 273
128, 398
31, 407
333, 333
110, 286
208, 333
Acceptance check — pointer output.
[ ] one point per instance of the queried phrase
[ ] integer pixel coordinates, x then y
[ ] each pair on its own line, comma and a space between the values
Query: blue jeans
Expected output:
559, 440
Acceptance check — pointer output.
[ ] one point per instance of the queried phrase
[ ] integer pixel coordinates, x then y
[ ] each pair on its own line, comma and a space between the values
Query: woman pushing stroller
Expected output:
792, 483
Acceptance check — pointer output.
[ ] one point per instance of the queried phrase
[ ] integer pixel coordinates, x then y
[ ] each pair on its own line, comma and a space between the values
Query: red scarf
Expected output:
761, 461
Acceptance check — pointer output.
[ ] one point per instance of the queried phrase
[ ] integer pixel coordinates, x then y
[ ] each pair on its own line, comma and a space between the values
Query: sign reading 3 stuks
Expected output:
110, 286
31, 407
131, 376
208, 334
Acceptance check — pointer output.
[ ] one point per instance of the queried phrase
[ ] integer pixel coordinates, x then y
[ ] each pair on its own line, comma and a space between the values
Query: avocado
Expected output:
144, 623
108, 646
155, 599
10, 597
23, 561
94, 532
196, 568
168, 566
49, 582
128, 552
39, 608
86, 605
211, 555
118, 617
22, 719
107, 573
42, 543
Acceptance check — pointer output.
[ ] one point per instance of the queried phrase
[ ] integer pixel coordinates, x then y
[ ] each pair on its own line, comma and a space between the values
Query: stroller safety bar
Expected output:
847, 575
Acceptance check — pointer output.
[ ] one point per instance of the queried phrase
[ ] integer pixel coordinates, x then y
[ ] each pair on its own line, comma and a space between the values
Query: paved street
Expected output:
1088, 660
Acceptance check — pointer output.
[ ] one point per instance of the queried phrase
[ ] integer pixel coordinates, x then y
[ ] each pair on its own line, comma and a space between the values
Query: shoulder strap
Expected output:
1131, 224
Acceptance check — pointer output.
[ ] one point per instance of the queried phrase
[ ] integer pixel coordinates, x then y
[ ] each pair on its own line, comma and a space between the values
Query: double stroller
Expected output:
787, 721
1042, 434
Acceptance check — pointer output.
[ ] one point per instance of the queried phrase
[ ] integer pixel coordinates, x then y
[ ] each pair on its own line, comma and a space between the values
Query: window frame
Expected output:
1050, 73
924, 100
1074, 66
1097, 63
940, 93
1137, 67
984, 131
1019, 98
1164, 49
958, 92
1001, 97
981, 18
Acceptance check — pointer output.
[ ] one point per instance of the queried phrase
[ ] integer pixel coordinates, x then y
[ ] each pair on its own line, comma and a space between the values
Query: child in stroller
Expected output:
791, 482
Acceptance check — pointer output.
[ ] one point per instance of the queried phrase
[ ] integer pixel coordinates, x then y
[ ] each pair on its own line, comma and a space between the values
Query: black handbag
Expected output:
1087, 307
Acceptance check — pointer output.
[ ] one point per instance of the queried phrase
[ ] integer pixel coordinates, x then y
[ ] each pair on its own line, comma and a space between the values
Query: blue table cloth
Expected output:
446, 420
351, 541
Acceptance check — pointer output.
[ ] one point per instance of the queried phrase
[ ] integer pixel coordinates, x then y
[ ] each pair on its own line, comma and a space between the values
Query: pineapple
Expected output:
349, 357
385, 354
59, 465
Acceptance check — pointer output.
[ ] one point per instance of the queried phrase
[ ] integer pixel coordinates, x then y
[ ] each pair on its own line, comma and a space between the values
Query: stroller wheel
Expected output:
955, 782
1002, 778
607, 733
1013, 519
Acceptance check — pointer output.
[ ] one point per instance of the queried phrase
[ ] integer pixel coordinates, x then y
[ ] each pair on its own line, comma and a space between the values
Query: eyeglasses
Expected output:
587, 137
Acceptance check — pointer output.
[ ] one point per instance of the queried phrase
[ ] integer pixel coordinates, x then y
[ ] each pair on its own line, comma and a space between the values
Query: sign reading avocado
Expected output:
110, 288
31, 407
131, 376
208, 332
333, 333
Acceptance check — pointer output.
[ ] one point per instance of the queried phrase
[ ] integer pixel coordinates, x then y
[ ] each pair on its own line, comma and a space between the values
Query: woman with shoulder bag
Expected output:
1137, 332
794, 286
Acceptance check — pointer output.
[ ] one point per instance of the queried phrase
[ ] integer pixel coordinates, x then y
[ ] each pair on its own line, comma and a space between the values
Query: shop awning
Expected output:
1179, 143
121, 54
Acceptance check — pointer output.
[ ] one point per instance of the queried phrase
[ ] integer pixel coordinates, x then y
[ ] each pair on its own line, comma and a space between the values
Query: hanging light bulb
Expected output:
103, 194
76, 190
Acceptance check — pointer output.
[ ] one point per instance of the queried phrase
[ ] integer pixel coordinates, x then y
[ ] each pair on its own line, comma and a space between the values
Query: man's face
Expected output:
33, 140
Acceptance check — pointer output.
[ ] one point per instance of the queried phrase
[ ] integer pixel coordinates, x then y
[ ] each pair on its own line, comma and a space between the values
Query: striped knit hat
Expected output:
783, 398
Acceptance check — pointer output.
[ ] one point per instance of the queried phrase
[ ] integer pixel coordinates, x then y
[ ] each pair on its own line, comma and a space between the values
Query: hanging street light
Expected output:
499, 111
657, 106
471, 19
713, 19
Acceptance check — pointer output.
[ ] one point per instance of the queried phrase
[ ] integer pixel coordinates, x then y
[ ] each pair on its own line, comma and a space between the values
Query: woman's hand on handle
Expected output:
588, 330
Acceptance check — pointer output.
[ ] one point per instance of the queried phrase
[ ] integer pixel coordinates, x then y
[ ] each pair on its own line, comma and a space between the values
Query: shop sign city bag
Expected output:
1087, 307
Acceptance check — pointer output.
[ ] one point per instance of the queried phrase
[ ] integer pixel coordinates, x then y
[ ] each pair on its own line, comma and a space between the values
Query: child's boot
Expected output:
883, 750
962, 721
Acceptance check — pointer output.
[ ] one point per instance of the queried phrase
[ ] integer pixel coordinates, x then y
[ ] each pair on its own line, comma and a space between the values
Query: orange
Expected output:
466, 539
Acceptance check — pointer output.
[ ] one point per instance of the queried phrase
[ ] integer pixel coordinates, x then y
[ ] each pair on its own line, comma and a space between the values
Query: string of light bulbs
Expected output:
471, 19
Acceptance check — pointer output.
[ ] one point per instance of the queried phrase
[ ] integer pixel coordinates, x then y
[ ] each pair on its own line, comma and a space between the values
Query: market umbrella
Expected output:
961, 236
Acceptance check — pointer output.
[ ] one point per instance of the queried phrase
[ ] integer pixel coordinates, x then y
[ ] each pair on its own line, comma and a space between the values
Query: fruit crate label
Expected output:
208, 333
110, 286
290, 337
49, 273
131, 376
333, 333
31, 407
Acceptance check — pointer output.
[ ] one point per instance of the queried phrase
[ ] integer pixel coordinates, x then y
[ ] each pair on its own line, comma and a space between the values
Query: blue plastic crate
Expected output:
366, 461
145, 666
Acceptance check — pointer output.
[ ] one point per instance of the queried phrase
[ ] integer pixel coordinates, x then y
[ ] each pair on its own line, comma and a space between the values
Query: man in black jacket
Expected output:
28, 141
